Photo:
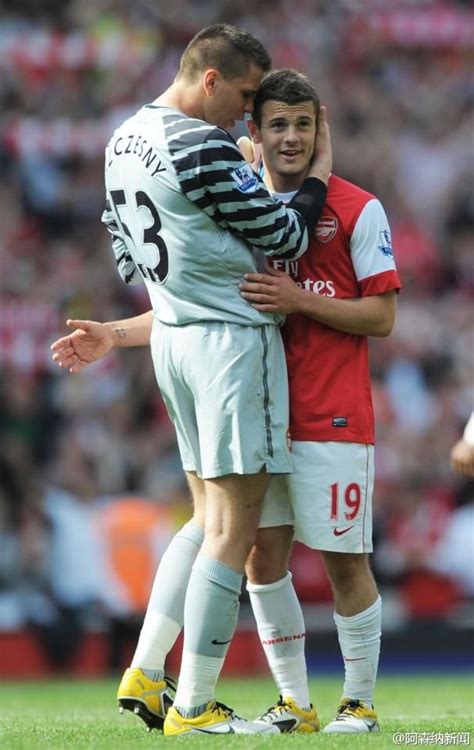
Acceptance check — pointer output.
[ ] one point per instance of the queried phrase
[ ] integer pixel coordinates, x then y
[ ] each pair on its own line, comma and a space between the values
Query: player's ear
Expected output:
254, 132
209, 81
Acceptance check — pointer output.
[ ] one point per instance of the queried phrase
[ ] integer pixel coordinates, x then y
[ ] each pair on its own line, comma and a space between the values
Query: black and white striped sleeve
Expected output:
213, 175
125, 264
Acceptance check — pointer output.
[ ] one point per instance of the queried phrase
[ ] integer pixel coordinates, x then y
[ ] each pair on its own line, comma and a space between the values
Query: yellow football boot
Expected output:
216, 719
353, 716
147, 699
287, 716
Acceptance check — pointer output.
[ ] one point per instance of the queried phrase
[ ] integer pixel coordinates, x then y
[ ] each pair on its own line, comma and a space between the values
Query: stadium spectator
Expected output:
80, 585
453, 556
135, 533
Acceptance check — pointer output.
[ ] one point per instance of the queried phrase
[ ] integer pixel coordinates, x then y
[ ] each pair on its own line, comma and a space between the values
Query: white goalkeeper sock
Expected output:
281, 628
165, 613
359, 639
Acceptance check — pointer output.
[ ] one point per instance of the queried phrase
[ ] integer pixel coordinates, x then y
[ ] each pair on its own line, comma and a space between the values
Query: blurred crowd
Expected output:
79, 453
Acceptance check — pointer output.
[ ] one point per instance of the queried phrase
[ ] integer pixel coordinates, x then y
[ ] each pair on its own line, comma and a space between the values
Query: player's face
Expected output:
229, 100
287, 134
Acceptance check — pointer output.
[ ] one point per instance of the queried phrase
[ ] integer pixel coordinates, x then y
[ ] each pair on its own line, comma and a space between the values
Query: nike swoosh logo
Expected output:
340, 532
228, 730
285, 725
220, 643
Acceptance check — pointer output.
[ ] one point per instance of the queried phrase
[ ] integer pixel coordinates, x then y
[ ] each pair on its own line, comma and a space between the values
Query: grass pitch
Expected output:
73, 715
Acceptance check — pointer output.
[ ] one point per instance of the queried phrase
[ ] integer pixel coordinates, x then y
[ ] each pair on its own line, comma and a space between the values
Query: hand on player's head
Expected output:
246, 148
252, 152
322, 160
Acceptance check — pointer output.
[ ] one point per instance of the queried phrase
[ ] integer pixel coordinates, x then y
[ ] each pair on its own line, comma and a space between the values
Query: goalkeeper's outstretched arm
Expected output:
90, 340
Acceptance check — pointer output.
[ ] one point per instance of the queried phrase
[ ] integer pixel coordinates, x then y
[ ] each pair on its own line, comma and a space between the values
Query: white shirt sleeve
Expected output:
370, 243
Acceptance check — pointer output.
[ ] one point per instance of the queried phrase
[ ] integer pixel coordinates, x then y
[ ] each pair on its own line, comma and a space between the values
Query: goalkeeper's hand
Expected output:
321, 164
88, 342
251, 152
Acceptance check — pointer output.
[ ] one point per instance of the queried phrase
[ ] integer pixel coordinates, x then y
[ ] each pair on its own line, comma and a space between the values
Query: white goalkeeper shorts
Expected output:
226, 390
327, 499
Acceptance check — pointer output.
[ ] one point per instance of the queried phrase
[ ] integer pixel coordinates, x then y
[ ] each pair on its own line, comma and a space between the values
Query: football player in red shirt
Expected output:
342, 290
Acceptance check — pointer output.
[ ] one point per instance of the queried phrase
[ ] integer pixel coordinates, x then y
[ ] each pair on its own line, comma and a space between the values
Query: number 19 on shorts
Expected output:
345, 501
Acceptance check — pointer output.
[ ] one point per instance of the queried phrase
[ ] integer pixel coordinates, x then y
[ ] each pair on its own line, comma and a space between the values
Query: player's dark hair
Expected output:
227, 49
284, 85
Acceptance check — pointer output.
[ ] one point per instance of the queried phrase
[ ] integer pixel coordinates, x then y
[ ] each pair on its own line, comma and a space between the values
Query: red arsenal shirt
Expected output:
350, 256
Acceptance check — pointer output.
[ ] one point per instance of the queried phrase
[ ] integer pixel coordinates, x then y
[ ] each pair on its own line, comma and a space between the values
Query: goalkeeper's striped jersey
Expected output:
184, 210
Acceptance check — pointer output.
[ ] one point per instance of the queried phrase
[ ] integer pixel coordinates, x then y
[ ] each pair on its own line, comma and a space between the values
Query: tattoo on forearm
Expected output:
120, 333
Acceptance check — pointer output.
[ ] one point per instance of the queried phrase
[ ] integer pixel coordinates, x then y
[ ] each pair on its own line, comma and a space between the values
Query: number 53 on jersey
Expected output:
149, 251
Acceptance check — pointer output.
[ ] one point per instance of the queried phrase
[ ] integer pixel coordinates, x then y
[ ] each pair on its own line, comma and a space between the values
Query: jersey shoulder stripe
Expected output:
211, 173
214, 177
177, 125
190, 155
187, 137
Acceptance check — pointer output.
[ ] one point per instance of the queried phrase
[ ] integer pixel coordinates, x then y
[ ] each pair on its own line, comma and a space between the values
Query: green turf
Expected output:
83, 715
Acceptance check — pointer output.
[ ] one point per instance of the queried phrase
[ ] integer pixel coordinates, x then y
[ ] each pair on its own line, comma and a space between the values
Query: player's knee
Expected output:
268, 559
223, 539
262, 573
346, 570
258, 568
